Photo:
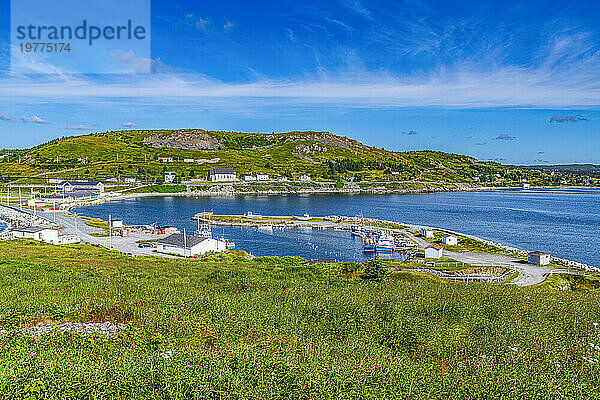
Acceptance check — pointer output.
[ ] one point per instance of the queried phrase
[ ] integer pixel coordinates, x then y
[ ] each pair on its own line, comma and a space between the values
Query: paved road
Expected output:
529, 274
76, 226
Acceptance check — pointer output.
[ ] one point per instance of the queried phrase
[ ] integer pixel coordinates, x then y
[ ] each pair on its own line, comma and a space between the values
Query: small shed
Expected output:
450, 240
538, 258
428, 233
434, 251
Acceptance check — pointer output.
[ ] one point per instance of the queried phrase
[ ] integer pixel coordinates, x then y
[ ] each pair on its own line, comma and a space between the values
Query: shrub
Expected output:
374, 270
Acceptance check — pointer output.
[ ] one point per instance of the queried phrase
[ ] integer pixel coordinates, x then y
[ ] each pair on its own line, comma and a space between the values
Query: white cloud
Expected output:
128, 124
35, 119
5, 117
465, 85
78, 128
202, 23
137, 64
228, 26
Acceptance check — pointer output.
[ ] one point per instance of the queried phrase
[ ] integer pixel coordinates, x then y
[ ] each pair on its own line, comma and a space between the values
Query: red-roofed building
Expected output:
539, 258
434, 251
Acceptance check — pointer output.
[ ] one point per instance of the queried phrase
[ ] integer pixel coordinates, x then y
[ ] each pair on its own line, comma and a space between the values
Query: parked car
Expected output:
145, 244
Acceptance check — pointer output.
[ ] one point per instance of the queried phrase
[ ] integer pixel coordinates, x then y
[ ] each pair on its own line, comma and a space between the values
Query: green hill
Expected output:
322, 155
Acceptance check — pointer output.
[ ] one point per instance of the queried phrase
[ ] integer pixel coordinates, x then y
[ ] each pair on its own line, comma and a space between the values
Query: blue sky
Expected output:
515, 82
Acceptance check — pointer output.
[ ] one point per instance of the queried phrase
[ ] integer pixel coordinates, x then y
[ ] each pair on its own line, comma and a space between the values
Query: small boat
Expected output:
368, 244
385, 243
249, 214
229, 245
305, 217
357, 230
268, 228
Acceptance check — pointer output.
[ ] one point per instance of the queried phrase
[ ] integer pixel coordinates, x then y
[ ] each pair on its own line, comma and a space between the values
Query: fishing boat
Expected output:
249, 214
369, 244
385, 243
204, 229
357, 230
266, 228
228, 244
305, 217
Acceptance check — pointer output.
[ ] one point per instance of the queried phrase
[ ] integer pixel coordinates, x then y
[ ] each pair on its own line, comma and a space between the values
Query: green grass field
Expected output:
275, 328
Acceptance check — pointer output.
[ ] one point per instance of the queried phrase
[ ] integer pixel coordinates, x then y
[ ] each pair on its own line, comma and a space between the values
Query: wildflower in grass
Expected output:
591, 360
513, 348
593, 346
166, 355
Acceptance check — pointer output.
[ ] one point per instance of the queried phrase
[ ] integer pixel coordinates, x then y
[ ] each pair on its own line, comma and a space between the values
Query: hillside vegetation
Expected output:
275, 328
322, 155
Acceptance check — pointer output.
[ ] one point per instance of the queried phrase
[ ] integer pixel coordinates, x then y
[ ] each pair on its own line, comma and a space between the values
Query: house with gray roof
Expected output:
221, 175
36, 233
77, 186
188, 245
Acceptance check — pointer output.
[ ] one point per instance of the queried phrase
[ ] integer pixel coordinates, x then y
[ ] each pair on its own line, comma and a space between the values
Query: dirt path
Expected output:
529, 274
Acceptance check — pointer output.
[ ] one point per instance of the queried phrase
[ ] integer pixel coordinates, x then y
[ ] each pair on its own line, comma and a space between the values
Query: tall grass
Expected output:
268, 329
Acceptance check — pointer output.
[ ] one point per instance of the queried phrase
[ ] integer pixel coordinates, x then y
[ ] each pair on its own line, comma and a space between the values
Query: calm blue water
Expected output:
564, 223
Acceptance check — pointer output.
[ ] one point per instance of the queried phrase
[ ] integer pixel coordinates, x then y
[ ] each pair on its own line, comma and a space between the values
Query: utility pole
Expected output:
109, 231
184, 244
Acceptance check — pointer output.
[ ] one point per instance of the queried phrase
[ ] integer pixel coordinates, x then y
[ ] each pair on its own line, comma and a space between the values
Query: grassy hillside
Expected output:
322, 155
274, 328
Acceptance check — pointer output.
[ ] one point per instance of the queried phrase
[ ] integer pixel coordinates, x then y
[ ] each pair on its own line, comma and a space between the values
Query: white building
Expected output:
539, 258
55, 180
221, 175
117, 223
76, 186
169, 176
112, 180
282, 179
188, 245
188, 160
36, 233
450, 240
262, 177
165, 159
428, 233
248, 178
434, 251
130, 180
304, 178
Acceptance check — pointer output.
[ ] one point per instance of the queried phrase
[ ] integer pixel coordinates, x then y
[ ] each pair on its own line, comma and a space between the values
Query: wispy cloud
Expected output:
35, 119
129, 59
5, 117
410, 133
357, 7
128, 124
78, 128
196, 21
567, 118
504, 136
480, 144
228, 26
